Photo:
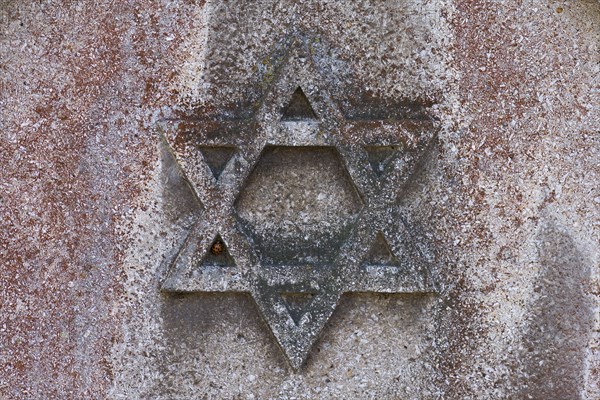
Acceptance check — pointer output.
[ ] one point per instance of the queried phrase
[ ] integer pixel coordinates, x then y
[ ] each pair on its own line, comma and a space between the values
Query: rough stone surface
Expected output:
94, 207
298, 203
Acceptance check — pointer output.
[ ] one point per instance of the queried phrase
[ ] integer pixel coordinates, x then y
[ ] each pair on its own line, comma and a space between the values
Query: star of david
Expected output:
255, 237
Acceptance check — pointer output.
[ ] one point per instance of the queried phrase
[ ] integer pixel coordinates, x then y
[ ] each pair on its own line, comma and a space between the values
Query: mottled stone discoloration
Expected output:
93, 211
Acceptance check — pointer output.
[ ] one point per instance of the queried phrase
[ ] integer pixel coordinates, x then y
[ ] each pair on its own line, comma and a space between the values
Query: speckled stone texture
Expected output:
94, 206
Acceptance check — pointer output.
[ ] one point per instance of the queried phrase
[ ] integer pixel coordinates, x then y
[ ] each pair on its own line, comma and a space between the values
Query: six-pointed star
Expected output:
378, 254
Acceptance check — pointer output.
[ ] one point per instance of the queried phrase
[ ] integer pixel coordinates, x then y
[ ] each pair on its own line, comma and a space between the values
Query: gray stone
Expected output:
152, 244
301, 208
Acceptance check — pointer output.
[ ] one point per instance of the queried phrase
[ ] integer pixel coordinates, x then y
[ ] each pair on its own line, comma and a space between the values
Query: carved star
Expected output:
226, 163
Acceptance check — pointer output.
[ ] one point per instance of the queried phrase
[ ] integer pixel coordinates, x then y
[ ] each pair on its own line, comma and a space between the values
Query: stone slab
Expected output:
95, 202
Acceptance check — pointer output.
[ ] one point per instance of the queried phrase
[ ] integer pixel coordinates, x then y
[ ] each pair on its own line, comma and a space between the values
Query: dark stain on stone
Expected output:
551, 364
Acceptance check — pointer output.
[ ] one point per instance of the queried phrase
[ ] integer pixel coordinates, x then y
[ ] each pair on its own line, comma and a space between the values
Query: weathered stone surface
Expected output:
297, 198
95, 206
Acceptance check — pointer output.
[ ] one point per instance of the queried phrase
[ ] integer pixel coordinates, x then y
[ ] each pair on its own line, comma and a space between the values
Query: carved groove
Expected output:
217, 157
299, 108
379, 157
297, 304
217, 255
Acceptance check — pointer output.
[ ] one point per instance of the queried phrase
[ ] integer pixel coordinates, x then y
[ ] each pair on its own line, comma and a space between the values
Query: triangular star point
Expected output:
297, 304
296, 338
217, 158
379, 157
298, 108
380, 253
217, 255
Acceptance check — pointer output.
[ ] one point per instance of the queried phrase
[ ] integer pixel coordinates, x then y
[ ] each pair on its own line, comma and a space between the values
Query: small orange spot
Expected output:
217, 248
559, 10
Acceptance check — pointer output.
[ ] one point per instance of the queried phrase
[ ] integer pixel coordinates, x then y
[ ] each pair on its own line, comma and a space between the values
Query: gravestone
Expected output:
297, 200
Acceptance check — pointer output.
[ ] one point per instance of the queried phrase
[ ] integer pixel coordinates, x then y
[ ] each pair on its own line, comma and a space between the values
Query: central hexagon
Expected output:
298, 205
